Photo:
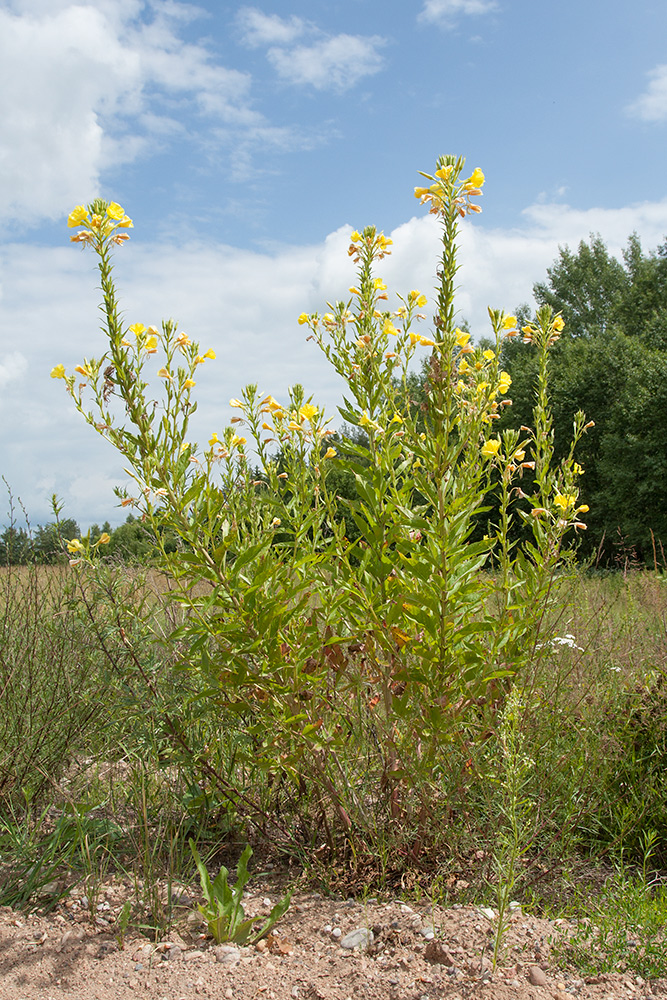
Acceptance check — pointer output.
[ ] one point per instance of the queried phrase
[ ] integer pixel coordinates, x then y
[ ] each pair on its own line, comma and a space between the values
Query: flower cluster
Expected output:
444, 191
100, 221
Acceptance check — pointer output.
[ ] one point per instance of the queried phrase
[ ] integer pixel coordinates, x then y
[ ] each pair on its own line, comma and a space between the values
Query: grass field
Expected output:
113, 754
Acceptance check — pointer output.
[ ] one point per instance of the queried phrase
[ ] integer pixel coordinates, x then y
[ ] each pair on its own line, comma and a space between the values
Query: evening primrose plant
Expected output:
352, 670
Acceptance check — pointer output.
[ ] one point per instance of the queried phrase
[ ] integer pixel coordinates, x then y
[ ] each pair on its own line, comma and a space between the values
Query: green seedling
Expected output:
223, 909
122, 923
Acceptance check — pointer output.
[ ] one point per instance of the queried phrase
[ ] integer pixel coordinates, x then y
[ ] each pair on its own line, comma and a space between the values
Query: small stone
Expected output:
72, 937
427, 931
360, 938
226, 954
267, 902
336, 933
487, 912
406, 909
193, 956
436, 953
536, 976
174, 954
229, 993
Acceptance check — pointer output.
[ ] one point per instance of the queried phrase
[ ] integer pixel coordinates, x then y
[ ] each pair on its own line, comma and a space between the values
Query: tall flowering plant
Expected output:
349, 667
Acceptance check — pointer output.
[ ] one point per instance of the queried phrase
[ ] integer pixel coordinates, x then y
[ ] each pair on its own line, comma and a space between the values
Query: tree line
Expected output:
610, 362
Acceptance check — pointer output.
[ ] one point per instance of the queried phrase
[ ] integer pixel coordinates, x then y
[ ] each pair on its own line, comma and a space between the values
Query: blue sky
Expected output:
246, 140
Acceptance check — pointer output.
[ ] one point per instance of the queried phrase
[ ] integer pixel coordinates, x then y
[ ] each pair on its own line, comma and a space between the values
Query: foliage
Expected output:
335, 659
223, 907
611, 362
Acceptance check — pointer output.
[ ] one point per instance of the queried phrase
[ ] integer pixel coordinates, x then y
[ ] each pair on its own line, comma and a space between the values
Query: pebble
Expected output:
360, 938
536, 976
427, 931
336, 933
226, 954
436, 953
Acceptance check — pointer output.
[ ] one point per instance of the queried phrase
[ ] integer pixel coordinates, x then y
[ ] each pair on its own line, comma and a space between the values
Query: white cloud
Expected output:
84, 86
258, 28
13, 367
328, 62
651, 106
447, 12
335, 63
244, 304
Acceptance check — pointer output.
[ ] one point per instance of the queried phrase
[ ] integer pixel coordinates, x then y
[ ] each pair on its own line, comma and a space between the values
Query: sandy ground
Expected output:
415, 954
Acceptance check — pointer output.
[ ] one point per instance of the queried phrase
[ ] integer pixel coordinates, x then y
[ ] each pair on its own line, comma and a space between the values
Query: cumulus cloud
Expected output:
258, 28
335, 63
651, 106
84, 86
327, 62
447, 12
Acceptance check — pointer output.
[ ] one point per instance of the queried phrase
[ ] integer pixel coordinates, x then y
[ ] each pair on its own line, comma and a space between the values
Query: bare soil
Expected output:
416, 954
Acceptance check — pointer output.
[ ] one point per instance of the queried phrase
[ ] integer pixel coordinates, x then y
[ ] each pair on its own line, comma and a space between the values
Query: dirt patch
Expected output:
405, 953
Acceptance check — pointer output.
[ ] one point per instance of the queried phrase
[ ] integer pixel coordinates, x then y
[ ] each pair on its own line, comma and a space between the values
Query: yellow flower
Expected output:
308, 411
463, 366
355, 237
564, 500
558, 323
58, 371
365, 421
416, 338
126, 223
237, 441
379, 285
519, 455
237, 404
461, 337
354, 291
330, 453
490, 448
75, 545
390, 329
294, 426
504, 382
577, 469
115, 212
165, 373
396, 419
444, 172
420, 192
151, 345
489, 355
210, 354
189, 383
83, 370
214, 439
183, 340
276, 522
584, 509
137, 329
77, 216
476, 178
509, 323
271, 404
104, 539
